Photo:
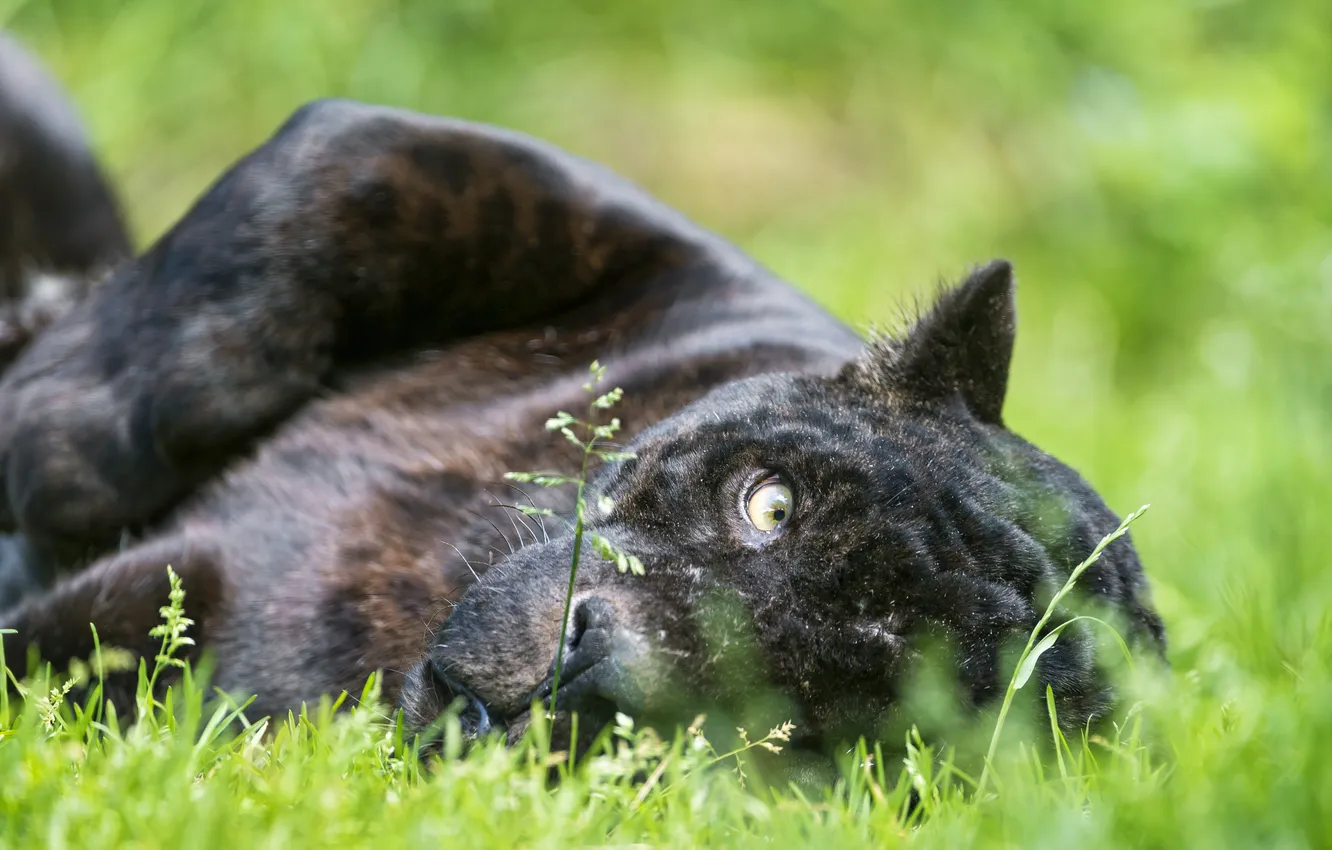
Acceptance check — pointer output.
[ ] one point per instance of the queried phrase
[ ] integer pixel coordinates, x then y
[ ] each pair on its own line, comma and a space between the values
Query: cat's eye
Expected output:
769, 505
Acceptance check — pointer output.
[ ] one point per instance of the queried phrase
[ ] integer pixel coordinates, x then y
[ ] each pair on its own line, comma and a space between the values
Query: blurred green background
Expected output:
1159, 173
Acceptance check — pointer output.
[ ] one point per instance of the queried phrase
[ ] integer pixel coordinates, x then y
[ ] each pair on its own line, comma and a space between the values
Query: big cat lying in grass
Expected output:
305, 398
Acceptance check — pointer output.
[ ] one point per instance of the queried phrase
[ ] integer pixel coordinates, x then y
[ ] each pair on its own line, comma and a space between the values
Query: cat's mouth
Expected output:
476, 718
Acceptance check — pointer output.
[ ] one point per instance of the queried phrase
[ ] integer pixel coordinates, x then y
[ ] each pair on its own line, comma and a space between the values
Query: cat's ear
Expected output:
960, 349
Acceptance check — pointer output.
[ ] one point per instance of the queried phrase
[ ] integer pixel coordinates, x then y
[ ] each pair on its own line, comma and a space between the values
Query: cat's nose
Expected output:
599, 652
594, 622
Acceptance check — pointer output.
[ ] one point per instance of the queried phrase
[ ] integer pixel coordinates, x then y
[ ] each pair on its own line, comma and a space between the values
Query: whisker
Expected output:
540, 520
505, 537
521, 517
464, 560
496, 504
438, 614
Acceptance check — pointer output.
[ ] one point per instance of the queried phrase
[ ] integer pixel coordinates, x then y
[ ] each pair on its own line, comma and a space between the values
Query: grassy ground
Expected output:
1158, 172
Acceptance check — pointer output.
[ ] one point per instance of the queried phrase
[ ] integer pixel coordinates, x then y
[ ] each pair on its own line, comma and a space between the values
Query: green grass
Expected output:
192, 768
1159, 174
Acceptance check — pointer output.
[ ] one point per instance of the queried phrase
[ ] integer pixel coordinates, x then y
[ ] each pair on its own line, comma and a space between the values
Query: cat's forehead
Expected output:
788, 423
756, 406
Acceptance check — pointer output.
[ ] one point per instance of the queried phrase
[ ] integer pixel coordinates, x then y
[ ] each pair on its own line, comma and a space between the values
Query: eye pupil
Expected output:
779, 514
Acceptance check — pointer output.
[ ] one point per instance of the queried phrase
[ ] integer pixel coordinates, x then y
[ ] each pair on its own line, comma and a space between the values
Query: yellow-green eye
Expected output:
769, 505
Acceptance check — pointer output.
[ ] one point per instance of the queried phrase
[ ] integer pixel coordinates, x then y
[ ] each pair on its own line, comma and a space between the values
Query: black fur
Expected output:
59, 221
305, 396
914, 518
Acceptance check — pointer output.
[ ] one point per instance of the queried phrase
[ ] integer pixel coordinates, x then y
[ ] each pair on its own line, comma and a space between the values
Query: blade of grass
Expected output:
1015, 683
